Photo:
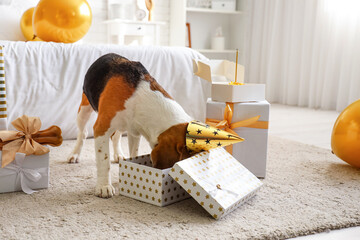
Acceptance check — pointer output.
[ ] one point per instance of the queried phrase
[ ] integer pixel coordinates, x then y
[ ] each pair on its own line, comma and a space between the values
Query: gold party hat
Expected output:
202, 137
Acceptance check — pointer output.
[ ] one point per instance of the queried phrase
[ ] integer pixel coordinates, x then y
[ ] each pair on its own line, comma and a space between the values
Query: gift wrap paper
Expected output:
252, 152
139, 180
35, 164
216, 180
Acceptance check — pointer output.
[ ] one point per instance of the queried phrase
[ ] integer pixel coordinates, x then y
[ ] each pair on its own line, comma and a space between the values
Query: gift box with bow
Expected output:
24, 160
250, 121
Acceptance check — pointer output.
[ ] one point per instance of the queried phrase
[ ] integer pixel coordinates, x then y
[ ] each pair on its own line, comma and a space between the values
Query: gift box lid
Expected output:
218, 71
216, 180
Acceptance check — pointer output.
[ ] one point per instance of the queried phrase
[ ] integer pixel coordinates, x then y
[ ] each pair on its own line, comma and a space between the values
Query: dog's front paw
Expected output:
73, 158
105, 191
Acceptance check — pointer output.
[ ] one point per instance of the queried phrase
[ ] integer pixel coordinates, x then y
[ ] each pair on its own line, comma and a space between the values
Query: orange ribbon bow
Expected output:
228, 126
28, 139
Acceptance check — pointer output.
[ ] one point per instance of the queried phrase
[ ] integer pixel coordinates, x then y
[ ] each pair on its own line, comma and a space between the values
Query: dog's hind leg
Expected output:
134, 141
83, 116
116, 140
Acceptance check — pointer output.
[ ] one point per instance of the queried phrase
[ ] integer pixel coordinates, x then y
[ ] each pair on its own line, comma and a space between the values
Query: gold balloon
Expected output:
345, 138
26, 25
64, 21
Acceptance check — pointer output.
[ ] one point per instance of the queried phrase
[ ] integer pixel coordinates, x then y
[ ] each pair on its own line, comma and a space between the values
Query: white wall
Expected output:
12, 10
10, 15
98, 30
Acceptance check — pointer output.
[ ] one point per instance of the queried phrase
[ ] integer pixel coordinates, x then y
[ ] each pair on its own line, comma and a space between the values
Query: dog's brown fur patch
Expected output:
112, 100
84, 101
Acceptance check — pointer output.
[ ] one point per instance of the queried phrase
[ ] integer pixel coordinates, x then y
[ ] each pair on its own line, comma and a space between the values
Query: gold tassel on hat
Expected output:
202, 137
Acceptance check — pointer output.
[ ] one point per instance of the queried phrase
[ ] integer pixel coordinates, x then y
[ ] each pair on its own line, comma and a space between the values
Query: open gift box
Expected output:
220, 73
250, 121
139, 180
216, 180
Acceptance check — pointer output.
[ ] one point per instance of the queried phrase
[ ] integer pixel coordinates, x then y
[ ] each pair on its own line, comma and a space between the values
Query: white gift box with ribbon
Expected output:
25, 173
252, 152
216, 180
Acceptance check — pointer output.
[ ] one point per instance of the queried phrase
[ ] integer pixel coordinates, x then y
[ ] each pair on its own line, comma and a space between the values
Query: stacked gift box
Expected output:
240, 108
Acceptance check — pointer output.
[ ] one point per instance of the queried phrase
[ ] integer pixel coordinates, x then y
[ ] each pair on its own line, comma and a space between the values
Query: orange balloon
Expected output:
345, 138
26, 25
64, 21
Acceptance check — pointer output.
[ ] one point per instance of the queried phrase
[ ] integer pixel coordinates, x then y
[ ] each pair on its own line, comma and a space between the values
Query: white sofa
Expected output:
46, 79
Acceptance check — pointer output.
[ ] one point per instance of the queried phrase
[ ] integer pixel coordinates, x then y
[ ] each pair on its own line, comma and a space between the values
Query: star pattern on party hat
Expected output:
202, 137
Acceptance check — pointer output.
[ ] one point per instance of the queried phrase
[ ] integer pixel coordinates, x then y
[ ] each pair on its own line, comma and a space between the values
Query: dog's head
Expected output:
171, 147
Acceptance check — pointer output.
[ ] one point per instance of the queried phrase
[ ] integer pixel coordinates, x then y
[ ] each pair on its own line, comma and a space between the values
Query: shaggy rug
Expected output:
307, 190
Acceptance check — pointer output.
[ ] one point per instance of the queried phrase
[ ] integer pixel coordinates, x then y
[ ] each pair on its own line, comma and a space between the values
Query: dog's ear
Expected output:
171, 147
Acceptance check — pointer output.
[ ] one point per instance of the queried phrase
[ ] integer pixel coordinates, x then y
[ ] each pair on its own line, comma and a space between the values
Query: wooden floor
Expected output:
313, 127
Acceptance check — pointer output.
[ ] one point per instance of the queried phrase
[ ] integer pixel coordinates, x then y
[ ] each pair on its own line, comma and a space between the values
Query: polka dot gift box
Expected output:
141, 181
216, 180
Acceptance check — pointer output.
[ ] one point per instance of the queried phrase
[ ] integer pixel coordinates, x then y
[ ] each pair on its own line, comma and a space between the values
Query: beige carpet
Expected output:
307, 190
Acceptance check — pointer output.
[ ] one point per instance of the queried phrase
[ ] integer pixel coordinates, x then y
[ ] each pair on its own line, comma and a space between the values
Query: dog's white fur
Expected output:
147, 113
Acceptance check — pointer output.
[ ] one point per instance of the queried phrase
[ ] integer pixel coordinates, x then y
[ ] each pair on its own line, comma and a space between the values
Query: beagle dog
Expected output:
128, 98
